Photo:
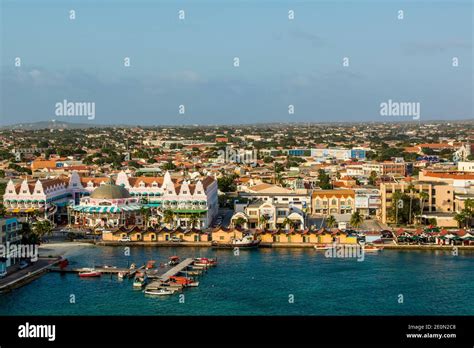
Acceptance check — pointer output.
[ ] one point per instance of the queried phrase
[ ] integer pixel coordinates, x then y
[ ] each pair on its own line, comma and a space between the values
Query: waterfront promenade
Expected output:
19, 277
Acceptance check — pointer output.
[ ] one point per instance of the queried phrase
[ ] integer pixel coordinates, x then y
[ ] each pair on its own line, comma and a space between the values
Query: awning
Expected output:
189, 210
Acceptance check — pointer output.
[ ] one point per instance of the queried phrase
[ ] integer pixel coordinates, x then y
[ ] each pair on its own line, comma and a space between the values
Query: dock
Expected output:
176, 269
103, 270
156, 284
27, 275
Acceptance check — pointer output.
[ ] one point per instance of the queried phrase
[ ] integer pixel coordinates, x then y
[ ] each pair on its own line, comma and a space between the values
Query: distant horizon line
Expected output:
93, 124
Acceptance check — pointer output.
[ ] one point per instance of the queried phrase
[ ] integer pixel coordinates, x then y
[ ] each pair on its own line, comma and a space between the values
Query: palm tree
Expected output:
469, 210
287, 222
263, 221
460, 218
193, 220
145, 212
168, 217
43, 228
396, 198
158, 219
239, 222
331, 221
411, 188
423, 197
356, 219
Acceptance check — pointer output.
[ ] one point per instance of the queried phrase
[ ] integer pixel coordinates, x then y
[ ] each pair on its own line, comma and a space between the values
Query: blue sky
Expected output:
190, 62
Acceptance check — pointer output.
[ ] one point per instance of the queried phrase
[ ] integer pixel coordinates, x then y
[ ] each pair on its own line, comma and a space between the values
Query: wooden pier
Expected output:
176, 269
156, 284
103, 270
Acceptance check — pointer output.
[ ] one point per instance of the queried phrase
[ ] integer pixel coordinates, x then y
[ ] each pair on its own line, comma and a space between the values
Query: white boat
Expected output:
159, 292
121, 275
372, 249
243, 243
322, 247
139, 282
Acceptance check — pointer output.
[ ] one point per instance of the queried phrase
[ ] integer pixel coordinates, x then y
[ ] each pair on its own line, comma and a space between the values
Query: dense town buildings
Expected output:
271, 177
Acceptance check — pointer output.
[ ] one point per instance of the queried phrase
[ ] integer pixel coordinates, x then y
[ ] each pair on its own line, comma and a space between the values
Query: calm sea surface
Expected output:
261, 282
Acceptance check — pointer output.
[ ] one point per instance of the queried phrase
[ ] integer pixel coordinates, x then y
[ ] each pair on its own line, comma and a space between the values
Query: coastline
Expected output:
279, 245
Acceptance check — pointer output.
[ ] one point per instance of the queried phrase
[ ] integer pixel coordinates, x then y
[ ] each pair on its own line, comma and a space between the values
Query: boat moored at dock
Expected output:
140, 281
246, 242
89, 273
204, 262
369, 248
159, 292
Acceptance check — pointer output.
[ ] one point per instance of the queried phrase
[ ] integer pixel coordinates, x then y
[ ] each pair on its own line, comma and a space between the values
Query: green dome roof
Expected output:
110, 191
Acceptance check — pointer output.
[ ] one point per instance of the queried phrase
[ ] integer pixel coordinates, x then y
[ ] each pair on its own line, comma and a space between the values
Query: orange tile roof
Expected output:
436, 146
450, 175
334, 193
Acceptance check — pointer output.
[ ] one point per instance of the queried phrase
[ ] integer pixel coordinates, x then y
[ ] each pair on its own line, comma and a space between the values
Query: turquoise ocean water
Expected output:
262, 282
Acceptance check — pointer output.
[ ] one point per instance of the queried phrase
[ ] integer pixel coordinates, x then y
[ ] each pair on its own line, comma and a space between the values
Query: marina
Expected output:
257, 282
155, 281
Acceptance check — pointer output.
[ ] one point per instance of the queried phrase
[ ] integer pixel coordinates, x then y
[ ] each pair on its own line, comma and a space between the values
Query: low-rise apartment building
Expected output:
330, 202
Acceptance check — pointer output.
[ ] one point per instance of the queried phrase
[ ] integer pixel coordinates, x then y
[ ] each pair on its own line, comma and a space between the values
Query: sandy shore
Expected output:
62, 248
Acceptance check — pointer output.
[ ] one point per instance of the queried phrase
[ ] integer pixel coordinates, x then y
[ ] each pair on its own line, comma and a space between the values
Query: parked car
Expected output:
175, 239
23, 264
125, 239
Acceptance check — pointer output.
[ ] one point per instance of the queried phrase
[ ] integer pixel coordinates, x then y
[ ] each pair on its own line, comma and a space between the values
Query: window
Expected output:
185, 192
333, 202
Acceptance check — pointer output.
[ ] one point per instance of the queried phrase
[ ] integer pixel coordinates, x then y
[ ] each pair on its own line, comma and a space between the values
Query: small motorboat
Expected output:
193, 284
184, 281
247, 242
372, 248
150, 264
121, 275
89, 273
139, 282
322, 247
173, 260
204, 261
159, 292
